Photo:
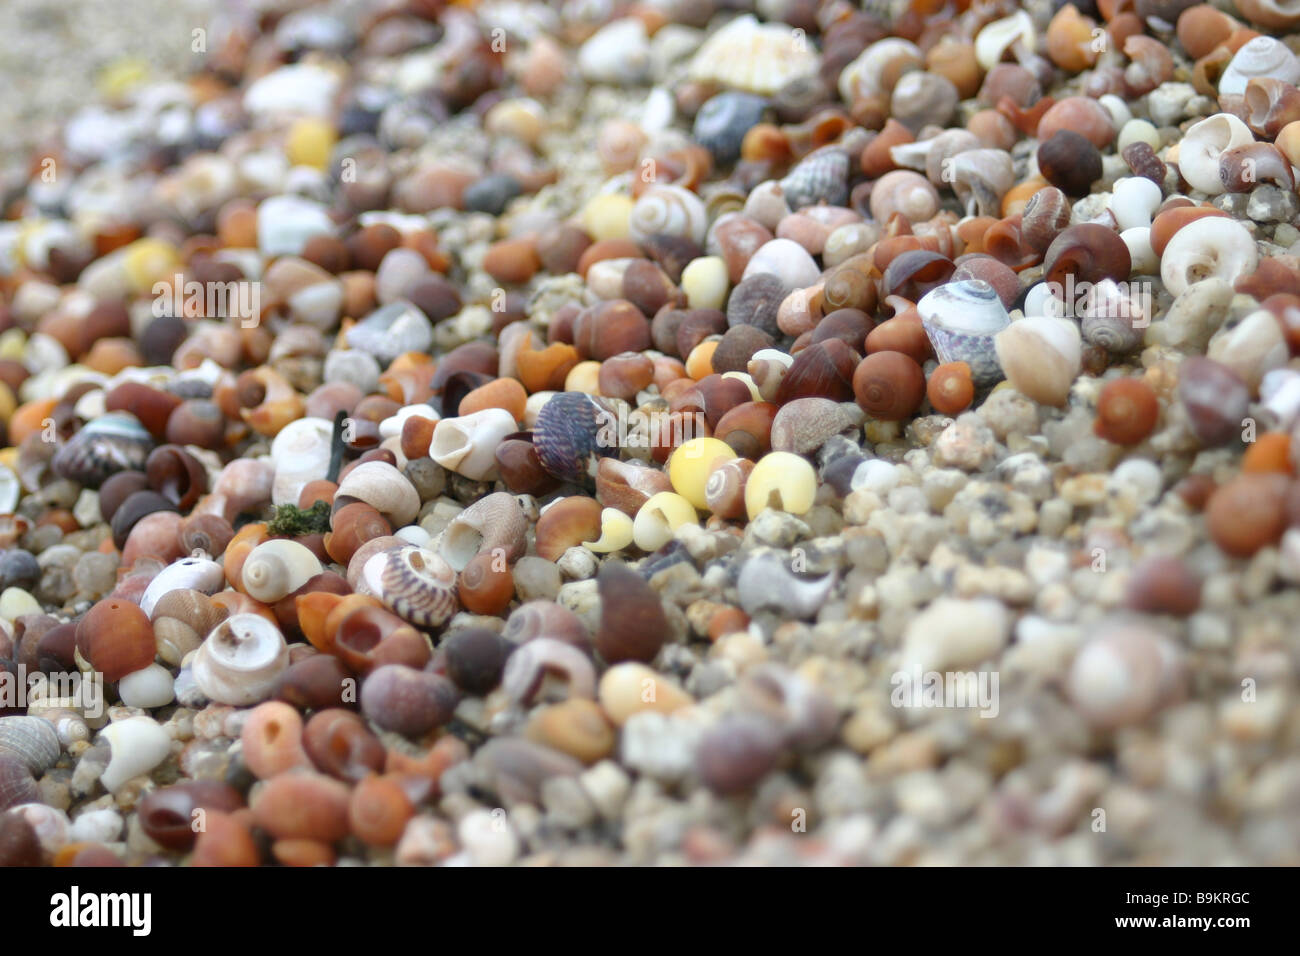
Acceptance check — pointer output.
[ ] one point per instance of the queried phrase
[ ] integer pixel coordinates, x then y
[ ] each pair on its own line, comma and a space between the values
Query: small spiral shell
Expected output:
668, 209
240, 661
277, 568
32, 740
414, 583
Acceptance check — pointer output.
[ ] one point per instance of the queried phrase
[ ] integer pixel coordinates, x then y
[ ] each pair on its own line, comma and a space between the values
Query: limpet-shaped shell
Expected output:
116, 441
385, 489
414, 583
757, 58
240, 661
32, 740
277, 568
961, 319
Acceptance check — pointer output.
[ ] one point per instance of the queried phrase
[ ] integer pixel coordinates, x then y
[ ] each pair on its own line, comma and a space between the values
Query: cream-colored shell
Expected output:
385, 489
1212, 247
300, 453
467, 445
198, 574
1199, 149
240, 661
668, 210
1261, 57
137, 745
276, 568
1041, 357
758, 58
997, 37
890, 56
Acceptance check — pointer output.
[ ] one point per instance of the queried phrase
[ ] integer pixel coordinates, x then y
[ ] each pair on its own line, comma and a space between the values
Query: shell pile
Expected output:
761, 433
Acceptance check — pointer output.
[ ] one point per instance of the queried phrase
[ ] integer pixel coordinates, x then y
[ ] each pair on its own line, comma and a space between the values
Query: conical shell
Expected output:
414, 583
961, 318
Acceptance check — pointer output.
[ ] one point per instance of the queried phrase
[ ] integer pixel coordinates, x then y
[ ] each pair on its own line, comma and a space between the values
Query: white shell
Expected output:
997, 37
276, 568
199, 574
300, 453
391, 427
138, 744
97, 826
861, 77
787, 260
766, 581
240, 660
1133, 201
1041, 357
668, 210
149, 687
1199, 149
980, 178
385, 489
757, 58
1261, 57
414, 583
1204, 248
618, 53
467, 444
960, 319
1251, 348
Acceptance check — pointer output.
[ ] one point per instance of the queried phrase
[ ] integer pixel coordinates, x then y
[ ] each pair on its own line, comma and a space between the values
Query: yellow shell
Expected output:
147, 261
309, 142
659, 517
607, 216
690, 464
615, 532
705, 282
781, 480
583, 377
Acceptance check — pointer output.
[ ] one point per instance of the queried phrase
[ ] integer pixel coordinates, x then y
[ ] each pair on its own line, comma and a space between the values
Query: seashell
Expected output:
177, 475
149, 687
722, 122
823, 370
32, 740
669, 210
1201, 146
51, 825
113, 442
137, 745
618, 53
1273, 14
240, 660
756, 301
115, 638
351, 527
195, 574
913, 273
17, 786
1069, 161
950, 388
921, 99
782, 481
277, 568
753, 57
766, 583
1252, 347
889, 386
878, 68
407, 701
1249, 512
1260, 58
633, 625
804, 425
658, 520
906, 193
1205, 248
1113, 319
529, 671
1127, 411
302, 806
572, 432
272, 740
996, 38
167, 814
788, 261
386, 489
414, 583
627, 485
1215, 398
392, 330
820, 177
492, 525
301, 453
960, 320
1081, 114
476, 658
243, 486
980, 178
1242, 168
1270, 106
1041, 357
737, 752
341, 744
267, 401
1088, 252
545, 619
724, 494
1120, 676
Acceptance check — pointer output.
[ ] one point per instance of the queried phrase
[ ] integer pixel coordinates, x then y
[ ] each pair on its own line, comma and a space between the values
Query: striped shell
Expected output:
414, 583
757, 58
572, 431
111, 443
17, 786
723, 121
32, 740
668, 210
822, 176
960, 319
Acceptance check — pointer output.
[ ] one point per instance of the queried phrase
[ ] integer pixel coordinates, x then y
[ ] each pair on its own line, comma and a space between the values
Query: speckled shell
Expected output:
960, 319
572, 431
114, 442
32, 740
822, 176
758, 58
414, 583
